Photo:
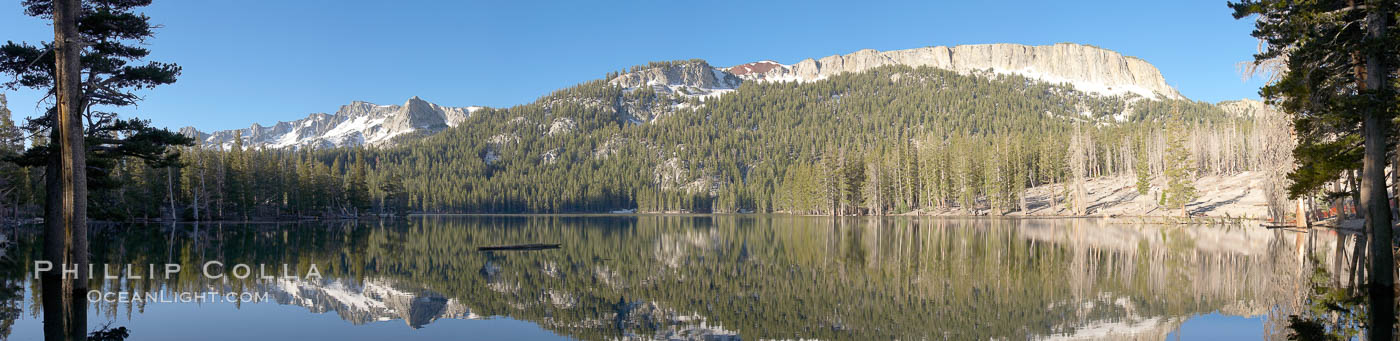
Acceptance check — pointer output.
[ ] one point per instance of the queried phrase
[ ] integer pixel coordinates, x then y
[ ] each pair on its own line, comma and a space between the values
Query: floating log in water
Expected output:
519, 247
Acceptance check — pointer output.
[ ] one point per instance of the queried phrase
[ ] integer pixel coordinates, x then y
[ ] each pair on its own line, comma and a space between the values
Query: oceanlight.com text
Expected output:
177, 297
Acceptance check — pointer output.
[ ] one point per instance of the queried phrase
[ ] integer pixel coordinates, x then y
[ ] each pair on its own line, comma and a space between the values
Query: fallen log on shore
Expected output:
518, 247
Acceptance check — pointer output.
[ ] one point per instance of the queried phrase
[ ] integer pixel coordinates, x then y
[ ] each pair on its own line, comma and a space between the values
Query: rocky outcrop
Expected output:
687, 78
355, 124
193, 133
1244, 107
1087, 68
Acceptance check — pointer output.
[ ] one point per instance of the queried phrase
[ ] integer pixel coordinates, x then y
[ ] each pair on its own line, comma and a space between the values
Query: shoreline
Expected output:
1194, 220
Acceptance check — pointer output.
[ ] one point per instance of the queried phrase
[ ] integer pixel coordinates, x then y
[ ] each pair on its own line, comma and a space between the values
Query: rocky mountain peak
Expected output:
754, 68
687, 78
191, 132
355, 124
419, 114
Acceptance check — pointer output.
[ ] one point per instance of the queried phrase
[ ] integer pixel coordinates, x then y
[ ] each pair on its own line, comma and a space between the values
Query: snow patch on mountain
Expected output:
355, 124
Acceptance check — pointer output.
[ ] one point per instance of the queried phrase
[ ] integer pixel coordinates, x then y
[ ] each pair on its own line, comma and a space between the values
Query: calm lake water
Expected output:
696, 277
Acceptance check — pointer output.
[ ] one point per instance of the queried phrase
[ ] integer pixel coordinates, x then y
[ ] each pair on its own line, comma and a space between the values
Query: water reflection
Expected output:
750, 277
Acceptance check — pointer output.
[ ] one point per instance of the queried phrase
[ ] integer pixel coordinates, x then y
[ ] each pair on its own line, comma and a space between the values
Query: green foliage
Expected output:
1180, 173
893, 139
1317, 47
113, 69
356, 187
1144, 174
1331, 313
14, 179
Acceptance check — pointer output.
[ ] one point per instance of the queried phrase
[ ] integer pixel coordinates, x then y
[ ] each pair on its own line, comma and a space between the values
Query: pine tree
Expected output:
1180, 173
194, 170
852, 182
12, 176
874, 189
357, 191
1144, 175
1340, 64
1080, 153
394, 200
831, 182
239, 183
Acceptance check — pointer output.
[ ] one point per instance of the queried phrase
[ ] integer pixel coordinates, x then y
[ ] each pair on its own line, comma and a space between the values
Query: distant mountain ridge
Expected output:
1088, 69
355, 124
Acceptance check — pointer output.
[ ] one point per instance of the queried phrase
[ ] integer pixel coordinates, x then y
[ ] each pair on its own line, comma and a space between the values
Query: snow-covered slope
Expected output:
355, 124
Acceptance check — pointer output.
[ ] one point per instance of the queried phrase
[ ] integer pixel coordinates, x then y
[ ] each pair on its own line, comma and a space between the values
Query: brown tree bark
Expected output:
170, 192
55, 249
65, 318
1373, 189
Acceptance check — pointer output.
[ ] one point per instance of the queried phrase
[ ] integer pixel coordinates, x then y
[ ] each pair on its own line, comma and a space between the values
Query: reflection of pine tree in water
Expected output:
771, 277
11, 282
1328, 303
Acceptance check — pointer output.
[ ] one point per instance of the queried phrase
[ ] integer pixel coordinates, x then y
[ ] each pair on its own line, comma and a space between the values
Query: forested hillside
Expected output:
892, 139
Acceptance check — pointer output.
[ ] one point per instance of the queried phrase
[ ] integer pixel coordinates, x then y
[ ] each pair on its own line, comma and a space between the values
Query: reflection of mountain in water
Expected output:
762, 277
375, 300
1155, 328
792, 277
380, 300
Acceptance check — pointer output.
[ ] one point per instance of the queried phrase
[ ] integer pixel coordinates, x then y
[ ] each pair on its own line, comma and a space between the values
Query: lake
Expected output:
723, 277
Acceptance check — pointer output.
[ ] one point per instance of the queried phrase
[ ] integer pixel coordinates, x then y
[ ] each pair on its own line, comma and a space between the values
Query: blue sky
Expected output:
265, 61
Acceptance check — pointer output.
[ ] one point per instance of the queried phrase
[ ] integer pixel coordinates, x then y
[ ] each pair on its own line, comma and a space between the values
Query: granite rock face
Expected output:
1087, 68
1244, 107
688, 78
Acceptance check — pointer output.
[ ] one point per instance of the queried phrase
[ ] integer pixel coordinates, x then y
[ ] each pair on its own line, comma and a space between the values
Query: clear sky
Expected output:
265, 61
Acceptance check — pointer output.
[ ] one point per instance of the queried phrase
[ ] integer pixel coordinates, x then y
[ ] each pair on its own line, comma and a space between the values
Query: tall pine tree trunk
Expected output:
1355, 186
65, 215
1033, 178
1373, 194
200, 192
170, 191
55, 248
